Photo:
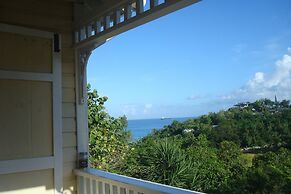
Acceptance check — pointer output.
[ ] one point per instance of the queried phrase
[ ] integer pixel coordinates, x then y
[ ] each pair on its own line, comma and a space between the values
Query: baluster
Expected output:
94, 27
113, 19
80, 182
122, 190
117, 16
83, 33
128, 10
154, 3
131, 191
139, 7
86, 32
84, 185
107, 188
89, 31
107, 22
113, 189
91, 186
77, 37
127, 190
96, 186
118, 189
98, 26
87, 185
103, 188
100, 187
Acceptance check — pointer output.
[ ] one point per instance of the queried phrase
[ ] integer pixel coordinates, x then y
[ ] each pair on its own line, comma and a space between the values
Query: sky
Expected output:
203, 58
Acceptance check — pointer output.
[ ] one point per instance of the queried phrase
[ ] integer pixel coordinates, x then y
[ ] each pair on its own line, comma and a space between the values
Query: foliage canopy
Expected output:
245, 149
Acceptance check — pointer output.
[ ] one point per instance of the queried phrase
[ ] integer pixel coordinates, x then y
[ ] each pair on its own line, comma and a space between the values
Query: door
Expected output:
30, 111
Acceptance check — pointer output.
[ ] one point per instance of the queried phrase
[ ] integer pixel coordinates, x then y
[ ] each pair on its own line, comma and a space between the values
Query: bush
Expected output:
108, 138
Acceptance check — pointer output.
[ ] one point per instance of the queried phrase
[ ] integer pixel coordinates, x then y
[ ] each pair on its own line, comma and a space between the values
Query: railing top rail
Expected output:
133, 181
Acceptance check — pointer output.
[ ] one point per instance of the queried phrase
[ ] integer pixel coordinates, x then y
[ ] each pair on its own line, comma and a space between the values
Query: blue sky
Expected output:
203, 58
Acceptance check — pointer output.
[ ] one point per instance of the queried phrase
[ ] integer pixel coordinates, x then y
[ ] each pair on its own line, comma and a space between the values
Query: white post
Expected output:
81, 106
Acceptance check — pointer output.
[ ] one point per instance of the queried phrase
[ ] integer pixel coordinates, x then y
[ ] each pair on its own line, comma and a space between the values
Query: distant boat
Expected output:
163, 118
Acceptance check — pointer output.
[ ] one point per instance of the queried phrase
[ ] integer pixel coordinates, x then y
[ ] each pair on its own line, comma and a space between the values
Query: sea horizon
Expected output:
142, 127
163, 117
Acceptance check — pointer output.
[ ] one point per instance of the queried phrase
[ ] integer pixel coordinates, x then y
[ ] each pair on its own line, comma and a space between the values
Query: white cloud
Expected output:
261, 85
281, 76
227, 97
147, 108
137, 110
129, 110
195, 97
258, 79
264, 85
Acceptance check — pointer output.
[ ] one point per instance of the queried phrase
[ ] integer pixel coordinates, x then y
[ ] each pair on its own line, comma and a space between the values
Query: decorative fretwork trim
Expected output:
123, 17
82, 59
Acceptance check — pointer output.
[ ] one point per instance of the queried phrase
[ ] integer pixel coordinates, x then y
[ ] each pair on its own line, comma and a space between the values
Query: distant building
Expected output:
188, 130
243, 105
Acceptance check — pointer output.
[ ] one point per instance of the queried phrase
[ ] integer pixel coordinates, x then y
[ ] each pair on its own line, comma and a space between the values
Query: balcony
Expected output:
92, 181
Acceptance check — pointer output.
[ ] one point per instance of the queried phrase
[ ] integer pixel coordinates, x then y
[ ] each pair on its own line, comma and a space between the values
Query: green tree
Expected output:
207, 172
206, 157
168, 163
108, 138
271, 173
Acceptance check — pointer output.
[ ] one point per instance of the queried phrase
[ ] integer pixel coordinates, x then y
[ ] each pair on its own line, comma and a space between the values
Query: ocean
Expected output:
141, 128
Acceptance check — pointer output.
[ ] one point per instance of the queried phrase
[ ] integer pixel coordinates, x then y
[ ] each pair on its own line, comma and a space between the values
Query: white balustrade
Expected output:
92, 181
116, 16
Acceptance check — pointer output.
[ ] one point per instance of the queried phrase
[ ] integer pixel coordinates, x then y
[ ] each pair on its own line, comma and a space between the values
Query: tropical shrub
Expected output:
108, 138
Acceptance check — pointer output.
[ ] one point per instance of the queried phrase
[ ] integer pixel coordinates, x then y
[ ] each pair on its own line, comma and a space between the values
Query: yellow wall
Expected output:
54, 16
22, 182
25, 119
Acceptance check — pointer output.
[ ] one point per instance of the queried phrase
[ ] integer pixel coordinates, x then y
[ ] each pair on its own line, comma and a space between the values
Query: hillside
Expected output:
263, 123
209, 153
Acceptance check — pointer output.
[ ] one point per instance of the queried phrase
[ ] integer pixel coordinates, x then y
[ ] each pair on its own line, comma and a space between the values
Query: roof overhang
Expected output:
96, 21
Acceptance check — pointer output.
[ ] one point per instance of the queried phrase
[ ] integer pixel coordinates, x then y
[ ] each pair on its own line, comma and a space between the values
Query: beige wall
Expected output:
25, 119
22, 184
54, 16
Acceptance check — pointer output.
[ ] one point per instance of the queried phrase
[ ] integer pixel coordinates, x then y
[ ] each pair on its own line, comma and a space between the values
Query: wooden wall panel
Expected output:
67, 171
69, 95
68, 81
38, 58
69, 139
25, 119
69, 154
69, 125
36, 182
54, 16
67, 57
41, 119
67, 69
69, 110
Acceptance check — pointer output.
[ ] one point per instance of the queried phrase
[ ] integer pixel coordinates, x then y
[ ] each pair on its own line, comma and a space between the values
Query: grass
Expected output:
249, 158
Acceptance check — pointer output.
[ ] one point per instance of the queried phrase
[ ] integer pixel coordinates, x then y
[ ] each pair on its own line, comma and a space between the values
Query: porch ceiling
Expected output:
96, 21
85, 10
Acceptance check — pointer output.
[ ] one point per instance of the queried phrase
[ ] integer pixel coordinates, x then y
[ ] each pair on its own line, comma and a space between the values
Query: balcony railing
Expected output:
92, 181
122, 17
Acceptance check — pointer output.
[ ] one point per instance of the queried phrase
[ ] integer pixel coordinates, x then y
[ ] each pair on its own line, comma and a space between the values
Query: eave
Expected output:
103, 21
